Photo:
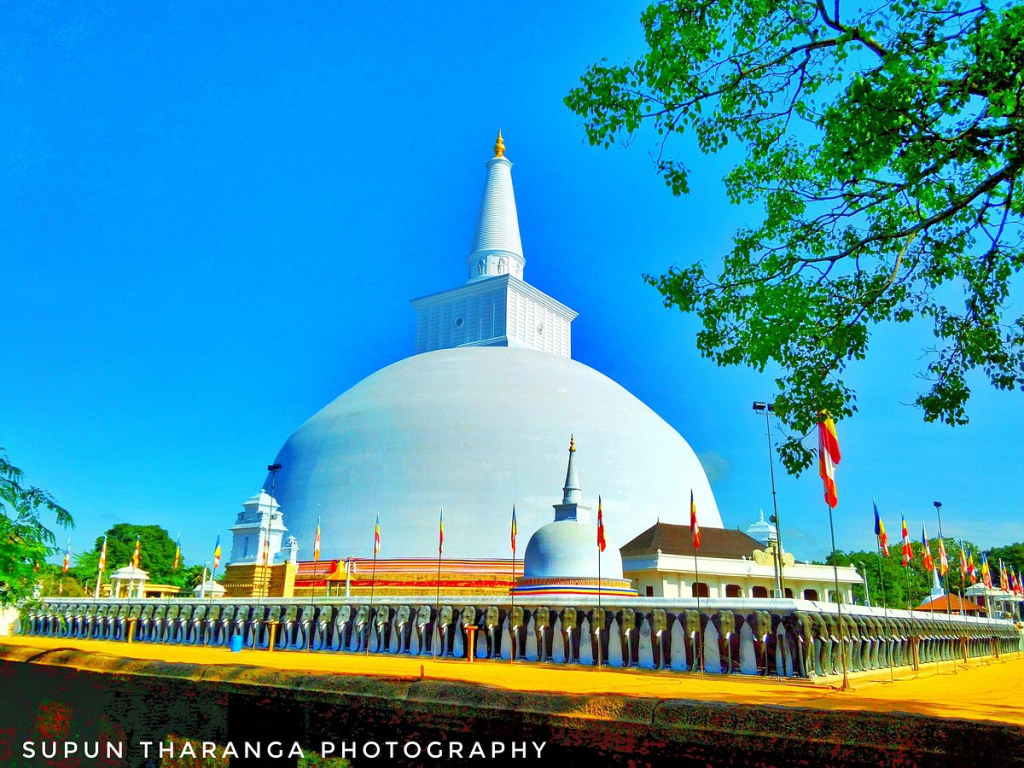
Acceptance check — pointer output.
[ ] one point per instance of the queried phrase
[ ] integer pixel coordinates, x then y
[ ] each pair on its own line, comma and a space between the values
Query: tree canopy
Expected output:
157, 550
25, 540
884, 143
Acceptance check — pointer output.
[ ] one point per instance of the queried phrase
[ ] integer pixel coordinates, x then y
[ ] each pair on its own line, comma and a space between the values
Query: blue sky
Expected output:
215, 215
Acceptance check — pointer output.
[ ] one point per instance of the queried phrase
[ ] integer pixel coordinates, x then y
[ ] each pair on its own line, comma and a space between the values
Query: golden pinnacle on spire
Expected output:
572, 444
499, 146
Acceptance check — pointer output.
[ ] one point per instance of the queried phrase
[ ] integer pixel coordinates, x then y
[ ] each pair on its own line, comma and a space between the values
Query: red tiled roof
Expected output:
676, 540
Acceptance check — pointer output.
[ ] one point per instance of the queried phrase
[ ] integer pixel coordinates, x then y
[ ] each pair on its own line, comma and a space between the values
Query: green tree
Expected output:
885, 144
25, 541
1012, 556
156, 555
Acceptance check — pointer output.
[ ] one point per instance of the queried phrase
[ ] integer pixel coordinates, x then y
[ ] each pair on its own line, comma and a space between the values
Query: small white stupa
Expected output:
565, 557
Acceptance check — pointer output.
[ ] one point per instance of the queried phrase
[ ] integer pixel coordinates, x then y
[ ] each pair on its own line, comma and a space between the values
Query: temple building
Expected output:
476, 420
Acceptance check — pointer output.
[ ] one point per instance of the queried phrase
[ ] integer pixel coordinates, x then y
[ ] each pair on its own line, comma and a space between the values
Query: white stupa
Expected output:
476, 420
564, 557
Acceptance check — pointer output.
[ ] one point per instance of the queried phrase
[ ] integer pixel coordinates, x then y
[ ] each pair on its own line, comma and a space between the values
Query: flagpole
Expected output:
700, 628
373, 581
312, 588
600, 542
512, 593
963, 608
839, 602
437, 598
695, 542
885, 610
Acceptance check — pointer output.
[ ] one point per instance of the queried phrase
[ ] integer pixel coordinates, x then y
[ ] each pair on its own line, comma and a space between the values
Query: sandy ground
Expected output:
984, 690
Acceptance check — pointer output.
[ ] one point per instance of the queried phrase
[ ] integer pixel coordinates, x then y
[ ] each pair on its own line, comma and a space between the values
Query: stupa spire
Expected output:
497, 247
572, 493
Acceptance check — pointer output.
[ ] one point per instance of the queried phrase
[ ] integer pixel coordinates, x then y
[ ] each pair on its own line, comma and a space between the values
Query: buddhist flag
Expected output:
138, 552
67, 557
828, 457
601, 543
971, 570
908, 551
986, 574
515, 530
440, 534
963, 561
694, 528
266, 550
883, 537
316, 542
928, 564
103, 556
943, 560
376, 535
1004, 583
177, 552
216, 553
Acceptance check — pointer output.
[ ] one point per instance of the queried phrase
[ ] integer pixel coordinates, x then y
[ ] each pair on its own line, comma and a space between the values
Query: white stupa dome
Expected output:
475, 430
478, 420
568, 549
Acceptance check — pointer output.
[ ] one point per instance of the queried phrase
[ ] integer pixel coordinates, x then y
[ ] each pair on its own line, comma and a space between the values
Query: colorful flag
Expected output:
928, 565
515, 530
1004, 583
103, 556
943, 560
376, 536
971, 570
828, 457
316, 542
177, 553
908, 551
1018, 588
883, 537
986, 574
694, 528
440, 534
137, 557
600, 527
266, 550
963, 561
67, 556
216, 553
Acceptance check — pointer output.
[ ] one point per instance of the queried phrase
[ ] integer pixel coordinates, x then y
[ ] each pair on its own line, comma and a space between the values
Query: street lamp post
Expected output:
867, 589
273, 470
767, 409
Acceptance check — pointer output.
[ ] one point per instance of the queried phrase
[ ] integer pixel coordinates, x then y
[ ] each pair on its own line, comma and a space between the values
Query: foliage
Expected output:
156, 555
1012, 556
885, 143
25, 542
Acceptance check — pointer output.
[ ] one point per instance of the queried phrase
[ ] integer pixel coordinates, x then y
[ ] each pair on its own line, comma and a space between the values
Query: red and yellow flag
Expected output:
67, 557
137, 557
440, 534
828, 457
376, 535
943, 560
316, 542
103, 556
908, 551
928, 564
515, 529
601, 543
177, 553
883, 537
694, 528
